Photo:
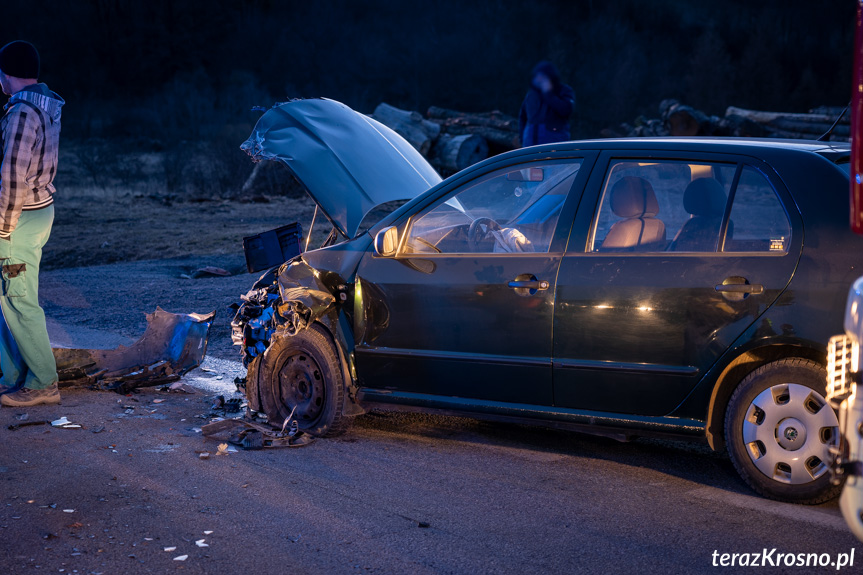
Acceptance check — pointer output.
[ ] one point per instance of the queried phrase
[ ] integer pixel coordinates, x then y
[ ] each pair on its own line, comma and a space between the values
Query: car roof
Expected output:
750, 146
768, 149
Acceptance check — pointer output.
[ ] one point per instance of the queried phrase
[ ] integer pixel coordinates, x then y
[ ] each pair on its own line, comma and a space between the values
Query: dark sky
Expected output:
163, 68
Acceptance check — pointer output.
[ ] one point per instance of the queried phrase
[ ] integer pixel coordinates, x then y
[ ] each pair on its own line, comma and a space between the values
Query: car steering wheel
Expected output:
478, 231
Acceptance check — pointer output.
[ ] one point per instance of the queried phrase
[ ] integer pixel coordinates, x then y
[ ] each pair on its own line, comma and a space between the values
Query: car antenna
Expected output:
826, 135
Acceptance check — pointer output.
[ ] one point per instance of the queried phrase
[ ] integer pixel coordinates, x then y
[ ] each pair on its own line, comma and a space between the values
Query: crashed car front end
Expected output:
314, 288
350, 165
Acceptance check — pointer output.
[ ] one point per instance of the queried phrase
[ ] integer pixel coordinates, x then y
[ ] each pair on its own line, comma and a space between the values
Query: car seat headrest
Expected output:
633, 197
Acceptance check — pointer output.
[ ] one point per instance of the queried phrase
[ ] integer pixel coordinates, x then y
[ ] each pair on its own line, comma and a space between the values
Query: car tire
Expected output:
303, 371
778, 430
253, 398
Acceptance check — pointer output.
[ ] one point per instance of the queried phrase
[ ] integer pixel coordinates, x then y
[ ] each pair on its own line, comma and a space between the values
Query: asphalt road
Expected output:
398, 494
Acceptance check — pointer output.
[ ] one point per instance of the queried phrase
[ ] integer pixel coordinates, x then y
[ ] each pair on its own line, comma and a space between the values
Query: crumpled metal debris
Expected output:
250, 435
253, 323
304, 296
172, 345
297, 296
221, 407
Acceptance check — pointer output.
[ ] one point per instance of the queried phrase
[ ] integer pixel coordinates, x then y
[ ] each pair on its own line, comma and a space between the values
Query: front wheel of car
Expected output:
779, 430
302, 373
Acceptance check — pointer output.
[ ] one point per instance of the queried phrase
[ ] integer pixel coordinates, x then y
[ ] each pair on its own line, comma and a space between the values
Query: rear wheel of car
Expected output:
303, 372
779, 430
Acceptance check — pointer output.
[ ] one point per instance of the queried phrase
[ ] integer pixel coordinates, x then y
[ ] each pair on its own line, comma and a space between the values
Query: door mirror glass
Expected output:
387, 242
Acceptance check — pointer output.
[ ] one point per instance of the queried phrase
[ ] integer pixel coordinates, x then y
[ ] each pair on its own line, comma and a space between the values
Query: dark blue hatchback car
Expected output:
675, 287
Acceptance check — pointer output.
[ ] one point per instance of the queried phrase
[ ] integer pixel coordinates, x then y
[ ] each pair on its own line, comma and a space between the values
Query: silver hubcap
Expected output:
788, 432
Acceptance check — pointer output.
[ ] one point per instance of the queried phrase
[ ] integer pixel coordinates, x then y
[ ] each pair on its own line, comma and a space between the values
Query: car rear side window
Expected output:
758, 221
662, 206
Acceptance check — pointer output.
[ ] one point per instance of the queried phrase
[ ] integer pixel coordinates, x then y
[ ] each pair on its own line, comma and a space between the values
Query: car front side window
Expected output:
662, 206
513, 210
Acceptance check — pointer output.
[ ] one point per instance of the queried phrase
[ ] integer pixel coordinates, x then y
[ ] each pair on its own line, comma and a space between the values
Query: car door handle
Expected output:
740, 288
534, 285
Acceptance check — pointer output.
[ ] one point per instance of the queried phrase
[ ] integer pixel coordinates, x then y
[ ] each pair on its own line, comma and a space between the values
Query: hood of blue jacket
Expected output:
348, 162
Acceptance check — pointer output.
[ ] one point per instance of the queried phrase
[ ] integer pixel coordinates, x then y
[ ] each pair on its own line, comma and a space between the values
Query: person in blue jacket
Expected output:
545, 112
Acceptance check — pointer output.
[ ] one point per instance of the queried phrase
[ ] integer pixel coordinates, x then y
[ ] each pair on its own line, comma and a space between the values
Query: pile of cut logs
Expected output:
676, 119
452, 140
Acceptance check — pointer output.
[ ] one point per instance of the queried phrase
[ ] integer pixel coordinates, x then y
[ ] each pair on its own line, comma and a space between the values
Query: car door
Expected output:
465, 307
668, 264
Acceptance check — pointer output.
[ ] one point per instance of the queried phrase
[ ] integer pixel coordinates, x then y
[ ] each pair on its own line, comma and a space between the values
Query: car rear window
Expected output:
758, 222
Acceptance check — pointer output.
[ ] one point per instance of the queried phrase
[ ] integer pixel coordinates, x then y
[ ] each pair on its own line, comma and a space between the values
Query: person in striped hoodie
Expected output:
30, 131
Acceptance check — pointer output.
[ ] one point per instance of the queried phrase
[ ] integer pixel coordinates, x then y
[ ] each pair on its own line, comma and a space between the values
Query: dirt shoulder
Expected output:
115, 297
93, 230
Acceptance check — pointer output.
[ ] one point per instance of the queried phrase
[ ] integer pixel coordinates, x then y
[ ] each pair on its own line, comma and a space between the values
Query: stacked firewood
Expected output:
676, 119
452, 140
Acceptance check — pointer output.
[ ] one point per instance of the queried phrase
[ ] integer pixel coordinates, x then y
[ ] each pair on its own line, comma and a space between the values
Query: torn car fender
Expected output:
309, 295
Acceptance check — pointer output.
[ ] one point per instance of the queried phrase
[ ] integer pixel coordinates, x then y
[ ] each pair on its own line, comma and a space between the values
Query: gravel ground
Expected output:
115, 298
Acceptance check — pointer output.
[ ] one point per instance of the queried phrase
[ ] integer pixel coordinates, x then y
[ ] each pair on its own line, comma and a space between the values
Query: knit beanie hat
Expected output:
19, 59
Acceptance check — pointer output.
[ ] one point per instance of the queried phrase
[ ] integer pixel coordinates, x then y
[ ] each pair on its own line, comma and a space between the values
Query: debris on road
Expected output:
180, 387
172, 345
17, 426
181, 557
209, 272
250, 435
200, 543
65, 423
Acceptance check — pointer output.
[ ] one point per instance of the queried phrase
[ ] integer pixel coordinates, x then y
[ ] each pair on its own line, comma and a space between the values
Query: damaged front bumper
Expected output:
292, 299
172, 345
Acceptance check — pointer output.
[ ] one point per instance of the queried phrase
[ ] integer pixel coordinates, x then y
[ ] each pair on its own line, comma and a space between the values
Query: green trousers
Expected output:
26, 358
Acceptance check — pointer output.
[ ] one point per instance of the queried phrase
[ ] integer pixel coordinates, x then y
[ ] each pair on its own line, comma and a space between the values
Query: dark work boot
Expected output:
26, 397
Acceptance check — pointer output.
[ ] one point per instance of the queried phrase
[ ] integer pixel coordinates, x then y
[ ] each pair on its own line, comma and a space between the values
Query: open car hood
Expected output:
348, 162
